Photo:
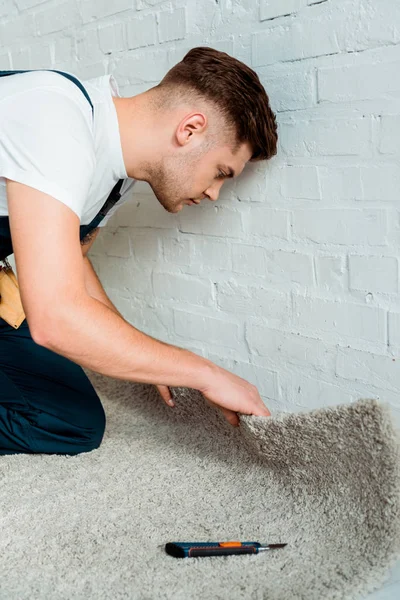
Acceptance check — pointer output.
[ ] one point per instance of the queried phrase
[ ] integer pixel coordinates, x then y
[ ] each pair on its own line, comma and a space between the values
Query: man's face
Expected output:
195, 175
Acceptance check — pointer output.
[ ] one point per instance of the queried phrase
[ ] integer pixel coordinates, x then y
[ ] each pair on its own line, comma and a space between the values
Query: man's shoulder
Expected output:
44, 83
38, 78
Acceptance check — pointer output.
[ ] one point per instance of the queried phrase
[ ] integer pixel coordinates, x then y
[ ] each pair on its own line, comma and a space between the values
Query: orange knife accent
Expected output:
230, 544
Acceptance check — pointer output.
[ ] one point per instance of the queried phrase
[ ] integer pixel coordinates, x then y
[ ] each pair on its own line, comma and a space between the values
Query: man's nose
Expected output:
213, 191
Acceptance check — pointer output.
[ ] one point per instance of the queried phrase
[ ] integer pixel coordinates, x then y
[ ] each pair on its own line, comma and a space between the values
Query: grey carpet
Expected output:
94, 526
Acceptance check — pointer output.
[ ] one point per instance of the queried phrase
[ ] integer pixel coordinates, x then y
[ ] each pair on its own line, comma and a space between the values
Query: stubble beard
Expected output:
166, 185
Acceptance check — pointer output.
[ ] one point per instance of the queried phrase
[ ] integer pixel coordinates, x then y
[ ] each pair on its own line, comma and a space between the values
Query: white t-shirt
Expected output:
49, 140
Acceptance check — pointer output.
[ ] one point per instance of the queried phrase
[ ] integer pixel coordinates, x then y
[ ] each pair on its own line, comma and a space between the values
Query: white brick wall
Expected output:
292, 279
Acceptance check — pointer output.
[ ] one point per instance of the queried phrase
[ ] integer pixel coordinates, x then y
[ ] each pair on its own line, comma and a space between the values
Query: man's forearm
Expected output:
91, 334
94, 287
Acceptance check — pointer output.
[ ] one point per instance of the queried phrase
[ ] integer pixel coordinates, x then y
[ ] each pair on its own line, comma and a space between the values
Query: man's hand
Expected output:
232, 394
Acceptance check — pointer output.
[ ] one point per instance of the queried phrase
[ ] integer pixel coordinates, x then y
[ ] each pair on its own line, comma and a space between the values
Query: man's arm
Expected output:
64, 318
92, 282
94, 287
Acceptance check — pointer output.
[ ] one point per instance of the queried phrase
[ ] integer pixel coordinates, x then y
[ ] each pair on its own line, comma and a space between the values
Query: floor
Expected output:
391, 589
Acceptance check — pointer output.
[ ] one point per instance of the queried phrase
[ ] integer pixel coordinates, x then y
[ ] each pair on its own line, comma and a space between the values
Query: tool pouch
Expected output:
11, 309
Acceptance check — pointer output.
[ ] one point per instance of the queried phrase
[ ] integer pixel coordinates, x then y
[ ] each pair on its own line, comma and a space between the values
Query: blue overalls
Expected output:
47, 403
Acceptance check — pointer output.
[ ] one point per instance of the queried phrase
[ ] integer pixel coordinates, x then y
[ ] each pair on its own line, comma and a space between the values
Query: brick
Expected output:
64, 48
253, 299
146, 246
5, 62
111, 38
309, 392
146, 66
340, 183
211, 254
248, 259
301, 182
374, 274
325, 137
250, 186
342, 226
369, 368
35, 57
176, 287
123, 273
293, 42
118, 245
270, 9
54, 18
208, 17
358, 82
390, 134
289, 91
211, 220
141, 31
286, 347
98, 9
172, 25
87, 44
19, 28
331, 273
24, 4
378, 24
288, 267
394, 329
21, 59
8, 9
40, 55
180, 252
207, 329
338, 321
143, 4
88, 71
144, 212
381, 182
267, 222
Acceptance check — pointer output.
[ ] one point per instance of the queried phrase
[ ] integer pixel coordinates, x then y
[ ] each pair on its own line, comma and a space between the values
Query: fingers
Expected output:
165, 394
263, 412
229, 415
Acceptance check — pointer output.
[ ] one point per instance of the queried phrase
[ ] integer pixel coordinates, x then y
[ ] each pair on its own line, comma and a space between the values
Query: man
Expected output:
59, 161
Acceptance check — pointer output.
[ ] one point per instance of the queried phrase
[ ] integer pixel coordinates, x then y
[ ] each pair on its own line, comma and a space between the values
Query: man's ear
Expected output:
195, 122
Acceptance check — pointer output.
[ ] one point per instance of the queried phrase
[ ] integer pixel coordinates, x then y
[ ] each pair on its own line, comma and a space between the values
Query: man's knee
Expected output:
43, 433
94, 434
99, 425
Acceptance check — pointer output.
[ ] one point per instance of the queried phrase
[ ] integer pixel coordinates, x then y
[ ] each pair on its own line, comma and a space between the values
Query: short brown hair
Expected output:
237, 92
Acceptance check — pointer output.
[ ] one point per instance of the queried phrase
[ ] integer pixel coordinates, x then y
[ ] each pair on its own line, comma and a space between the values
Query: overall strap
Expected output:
114, 196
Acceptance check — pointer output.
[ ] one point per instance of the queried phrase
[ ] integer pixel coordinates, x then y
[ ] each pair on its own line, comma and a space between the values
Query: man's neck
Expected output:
135, 133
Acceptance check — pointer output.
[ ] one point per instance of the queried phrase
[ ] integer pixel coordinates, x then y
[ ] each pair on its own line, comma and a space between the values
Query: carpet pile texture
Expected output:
94, 525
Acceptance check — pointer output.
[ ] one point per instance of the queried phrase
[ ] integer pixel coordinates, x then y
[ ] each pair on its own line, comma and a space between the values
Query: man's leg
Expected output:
47, 403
